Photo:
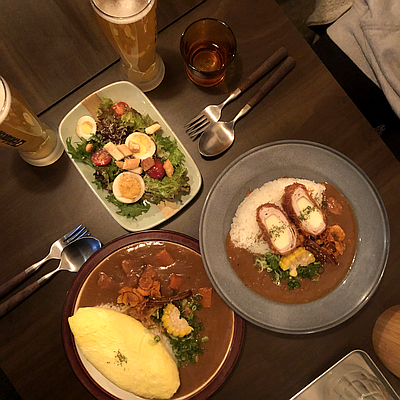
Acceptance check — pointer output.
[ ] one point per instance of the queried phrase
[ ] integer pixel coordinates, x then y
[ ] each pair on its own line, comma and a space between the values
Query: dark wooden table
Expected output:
40, 204
49, 48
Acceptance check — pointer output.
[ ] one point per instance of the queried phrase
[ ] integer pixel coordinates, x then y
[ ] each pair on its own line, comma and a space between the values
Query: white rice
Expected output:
245, 231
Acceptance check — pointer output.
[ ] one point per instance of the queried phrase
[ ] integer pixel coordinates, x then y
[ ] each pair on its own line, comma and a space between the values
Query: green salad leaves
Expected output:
115, 128
79, 152
167, 189
167, 148
129, 210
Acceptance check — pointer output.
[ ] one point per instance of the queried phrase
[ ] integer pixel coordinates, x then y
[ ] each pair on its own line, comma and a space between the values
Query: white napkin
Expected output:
369, 33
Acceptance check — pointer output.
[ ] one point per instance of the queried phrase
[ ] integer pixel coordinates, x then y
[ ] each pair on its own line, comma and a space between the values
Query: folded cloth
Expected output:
328, 11
369, 34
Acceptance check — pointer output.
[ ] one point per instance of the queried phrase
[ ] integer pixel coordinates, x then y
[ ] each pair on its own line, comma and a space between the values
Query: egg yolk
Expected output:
143, 143
129, 186
87, 127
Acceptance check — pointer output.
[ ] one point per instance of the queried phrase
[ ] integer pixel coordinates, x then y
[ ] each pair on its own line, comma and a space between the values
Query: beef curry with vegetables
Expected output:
161, 283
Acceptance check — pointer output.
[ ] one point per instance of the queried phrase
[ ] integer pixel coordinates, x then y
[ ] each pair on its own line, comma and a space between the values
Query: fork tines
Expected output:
195, 120
196, 126
76, 233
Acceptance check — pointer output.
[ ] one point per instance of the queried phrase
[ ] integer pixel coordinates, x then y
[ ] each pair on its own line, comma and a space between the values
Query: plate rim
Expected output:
251, 318
356, 353
70, 349
124, 221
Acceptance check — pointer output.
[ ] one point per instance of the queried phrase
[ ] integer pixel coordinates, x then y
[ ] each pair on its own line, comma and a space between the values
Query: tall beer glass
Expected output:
131, 27
21, 129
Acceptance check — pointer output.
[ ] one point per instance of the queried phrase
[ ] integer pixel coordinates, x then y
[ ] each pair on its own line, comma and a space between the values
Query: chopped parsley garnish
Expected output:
187, 349
306, 212
120, 358
157, 338
276, 231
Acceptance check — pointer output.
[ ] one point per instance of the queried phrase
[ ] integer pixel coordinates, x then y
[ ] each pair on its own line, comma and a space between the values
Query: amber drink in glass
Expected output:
207, 46
22, 130
131, 27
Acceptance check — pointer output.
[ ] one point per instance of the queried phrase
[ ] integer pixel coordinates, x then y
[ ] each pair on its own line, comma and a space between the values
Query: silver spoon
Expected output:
219, 136
72, 258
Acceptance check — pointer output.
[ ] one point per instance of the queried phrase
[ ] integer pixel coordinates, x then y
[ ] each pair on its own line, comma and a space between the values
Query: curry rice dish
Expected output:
292, 240
160, 292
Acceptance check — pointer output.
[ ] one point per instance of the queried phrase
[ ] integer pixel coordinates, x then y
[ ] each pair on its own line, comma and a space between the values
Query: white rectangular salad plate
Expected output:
130, 94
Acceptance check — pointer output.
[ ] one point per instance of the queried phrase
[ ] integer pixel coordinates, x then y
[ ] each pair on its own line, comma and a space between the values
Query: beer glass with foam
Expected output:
131, 27
22, 130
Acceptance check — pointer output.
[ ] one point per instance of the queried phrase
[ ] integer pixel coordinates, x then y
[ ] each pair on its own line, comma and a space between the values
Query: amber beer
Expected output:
131, 27
21, 129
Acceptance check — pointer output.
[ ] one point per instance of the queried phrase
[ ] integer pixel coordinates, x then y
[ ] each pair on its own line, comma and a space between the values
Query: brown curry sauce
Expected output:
218, 320
242, 261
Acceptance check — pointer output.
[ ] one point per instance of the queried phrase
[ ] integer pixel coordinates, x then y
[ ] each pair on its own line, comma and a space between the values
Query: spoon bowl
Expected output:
74, 256
219, 136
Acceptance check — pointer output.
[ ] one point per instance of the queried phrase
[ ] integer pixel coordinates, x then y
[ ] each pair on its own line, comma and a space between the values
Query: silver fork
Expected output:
212, 113
54, 253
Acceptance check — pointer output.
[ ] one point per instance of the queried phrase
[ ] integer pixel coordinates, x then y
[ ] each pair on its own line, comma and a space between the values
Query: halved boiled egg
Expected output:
86, 127
128, 187
141, 145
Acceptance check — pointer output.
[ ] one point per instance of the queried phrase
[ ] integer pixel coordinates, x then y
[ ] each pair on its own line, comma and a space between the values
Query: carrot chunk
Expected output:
175, 282
206, 293
163, 258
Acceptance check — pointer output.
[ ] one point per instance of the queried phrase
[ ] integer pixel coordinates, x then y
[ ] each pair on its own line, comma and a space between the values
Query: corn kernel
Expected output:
299, 257
173, 323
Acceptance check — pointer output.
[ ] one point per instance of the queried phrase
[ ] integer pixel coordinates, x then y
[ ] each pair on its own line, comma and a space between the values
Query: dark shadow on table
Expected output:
8, 391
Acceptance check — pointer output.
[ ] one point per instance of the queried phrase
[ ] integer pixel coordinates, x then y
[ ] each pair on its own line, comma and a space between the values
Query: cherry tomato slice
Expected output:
157, 171
120, 108
101, 157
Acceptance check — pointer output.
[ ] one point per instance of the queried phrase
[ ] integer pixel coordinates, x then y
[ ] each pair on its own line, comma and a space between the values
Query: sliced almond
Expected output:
115, 153
152, 128
137, 170
131, 163
123, 148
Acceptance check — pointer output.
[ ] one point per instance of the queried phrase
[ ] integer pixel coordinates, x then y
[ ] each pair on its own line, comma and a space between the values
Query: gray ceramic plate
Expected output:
299, 159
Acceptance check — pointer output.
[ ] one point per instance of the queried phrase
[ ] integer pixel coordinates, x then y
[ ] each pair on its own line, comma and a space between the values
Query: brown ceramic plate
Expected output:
225, 329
